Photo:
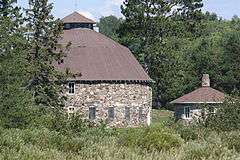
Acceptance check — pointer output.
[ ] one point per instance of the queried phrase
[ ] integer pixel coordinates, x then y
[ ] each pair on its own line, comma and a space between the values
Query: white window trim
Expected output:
69, 111
71, 107
73, 88
185, 108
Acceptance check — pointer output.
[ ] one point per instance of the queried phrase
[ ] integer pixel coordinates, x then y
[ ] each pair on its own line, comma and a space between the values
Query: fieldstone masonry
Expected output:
138, 97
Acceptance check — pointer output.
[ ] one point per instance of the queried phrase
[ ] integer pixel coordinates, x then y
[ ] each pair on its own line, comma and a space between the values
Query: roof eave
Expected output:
196, 102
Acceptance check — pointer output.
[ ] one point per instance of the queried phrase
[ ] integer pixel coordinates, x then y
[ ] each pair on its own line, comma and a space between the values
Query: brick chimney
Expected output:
205, 80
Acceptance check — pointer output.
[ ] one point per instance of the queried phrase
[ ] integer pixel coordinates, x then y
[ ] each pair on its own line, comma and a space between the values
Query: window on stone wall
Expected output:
71, 87
111, 113
71, 109
187, 112
140, 113
92, 113
127, 113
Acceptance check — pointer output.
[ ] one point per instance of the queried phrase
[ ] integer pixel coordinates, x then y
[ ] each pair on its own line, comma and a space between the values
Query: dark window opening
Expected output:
111, 113
71, 87
78, 25
71, 108
187, 112
92, 113
127, 113
140, 113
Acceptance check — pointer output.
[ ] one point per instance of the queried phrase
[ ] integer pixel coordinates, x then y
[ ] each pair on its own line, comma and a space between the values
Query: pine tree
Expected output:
190, 12
15, 101
45, 83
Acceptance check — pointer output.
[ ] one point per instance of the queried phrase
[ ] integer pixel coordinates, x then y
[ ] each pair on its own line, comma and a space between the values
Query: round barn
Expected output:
110, 85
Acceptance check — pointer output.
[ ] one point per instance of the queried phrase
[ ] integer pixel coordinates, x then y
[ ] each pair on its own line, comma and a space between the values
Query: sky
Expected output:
95, 9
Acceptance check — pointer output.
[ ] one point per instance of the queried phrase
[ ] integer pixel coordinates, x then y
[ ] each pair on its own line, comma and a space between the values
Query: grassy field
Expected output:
159, 116
157, 142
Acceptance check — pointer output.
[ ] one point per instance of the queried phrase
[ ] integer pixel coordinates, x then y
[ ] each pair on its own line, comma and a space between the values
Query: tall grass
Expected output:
157, 143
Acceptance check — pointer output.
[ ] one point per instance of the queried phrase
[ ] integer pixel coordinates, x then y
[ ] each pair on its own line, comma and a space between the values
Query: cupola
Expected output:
76, 20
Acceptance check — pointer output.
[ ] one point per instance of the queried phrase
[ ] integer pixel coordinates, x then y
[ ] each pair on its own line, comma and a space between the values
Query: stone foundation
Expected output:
138, 97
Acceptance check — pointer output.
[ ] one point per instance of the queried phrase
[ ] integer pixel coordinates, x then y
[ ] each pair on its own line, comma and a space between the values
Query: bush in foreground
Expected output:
153, 138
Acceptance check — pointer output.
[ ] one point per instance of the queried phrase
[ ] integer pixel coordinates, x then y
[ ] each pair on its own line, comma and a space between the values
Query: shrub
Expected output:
186, 132
211, 148
232, 140
130, 137
160, 138
152, 138
226, 118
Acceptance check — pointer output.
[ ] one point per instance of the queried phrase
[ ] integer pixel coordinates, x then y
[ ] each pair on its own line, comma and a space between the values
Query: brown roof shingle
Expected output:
201, 95
76, 17
97, 57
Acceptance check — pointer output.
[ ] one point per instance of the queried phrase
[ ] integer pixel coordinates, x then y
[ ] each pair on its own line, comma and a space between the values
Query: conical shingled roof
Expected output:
76, 17
98, 58
206, 95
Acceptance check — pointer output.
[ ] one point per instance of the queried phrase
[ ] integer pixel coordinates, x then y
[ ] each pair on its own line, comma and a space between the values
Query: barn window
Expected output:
111, 113
71, 109
67, 26
187, 112
140, 113
127, 113
92, 113
71, 87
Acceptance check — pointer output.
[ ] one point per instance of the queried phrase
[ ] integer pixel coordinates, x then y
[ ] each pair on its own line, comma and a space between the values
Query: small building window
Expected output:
187, 112
111, 113
127, 113
71, 87
140, 113
92, 113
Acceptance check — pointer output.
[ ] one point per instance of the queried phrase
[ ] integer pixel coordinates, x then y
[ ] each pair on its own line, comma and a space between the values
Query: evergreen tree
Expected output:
15, 101
190, 12
45, 83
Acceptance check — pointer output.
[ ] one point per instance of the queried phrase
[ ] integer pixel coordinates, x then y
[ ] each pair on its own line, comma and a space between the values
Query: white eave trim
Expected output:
197, 103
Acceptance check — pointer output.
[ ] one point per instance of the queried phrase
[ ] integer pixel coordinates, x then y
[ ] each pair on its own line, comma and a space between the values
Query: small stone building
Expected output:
190, 105
110, 86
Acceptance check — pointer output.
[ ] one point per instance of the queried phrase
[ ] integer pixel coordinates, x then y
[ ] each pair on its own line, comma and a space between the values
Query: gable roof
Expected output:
98, 58
76, 17
206, 95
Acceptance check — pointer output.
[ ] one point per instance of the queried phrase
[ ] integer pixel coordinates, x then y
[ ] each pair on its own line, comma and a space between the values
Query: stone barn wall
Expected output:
137, 98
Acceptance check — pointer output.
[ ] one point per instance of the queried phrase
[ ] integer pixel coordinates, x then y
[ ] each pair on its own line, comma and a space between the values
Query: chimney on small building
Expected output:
205, 80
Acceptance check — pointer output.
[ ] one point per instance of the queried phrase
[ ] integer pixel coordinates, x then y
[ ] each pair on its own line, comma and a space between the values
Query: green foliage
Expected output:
41, 144
160, 138
232, 140
226, 118
186, 132
153, 138
211, 148
45, 82
15, 101
109, 26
